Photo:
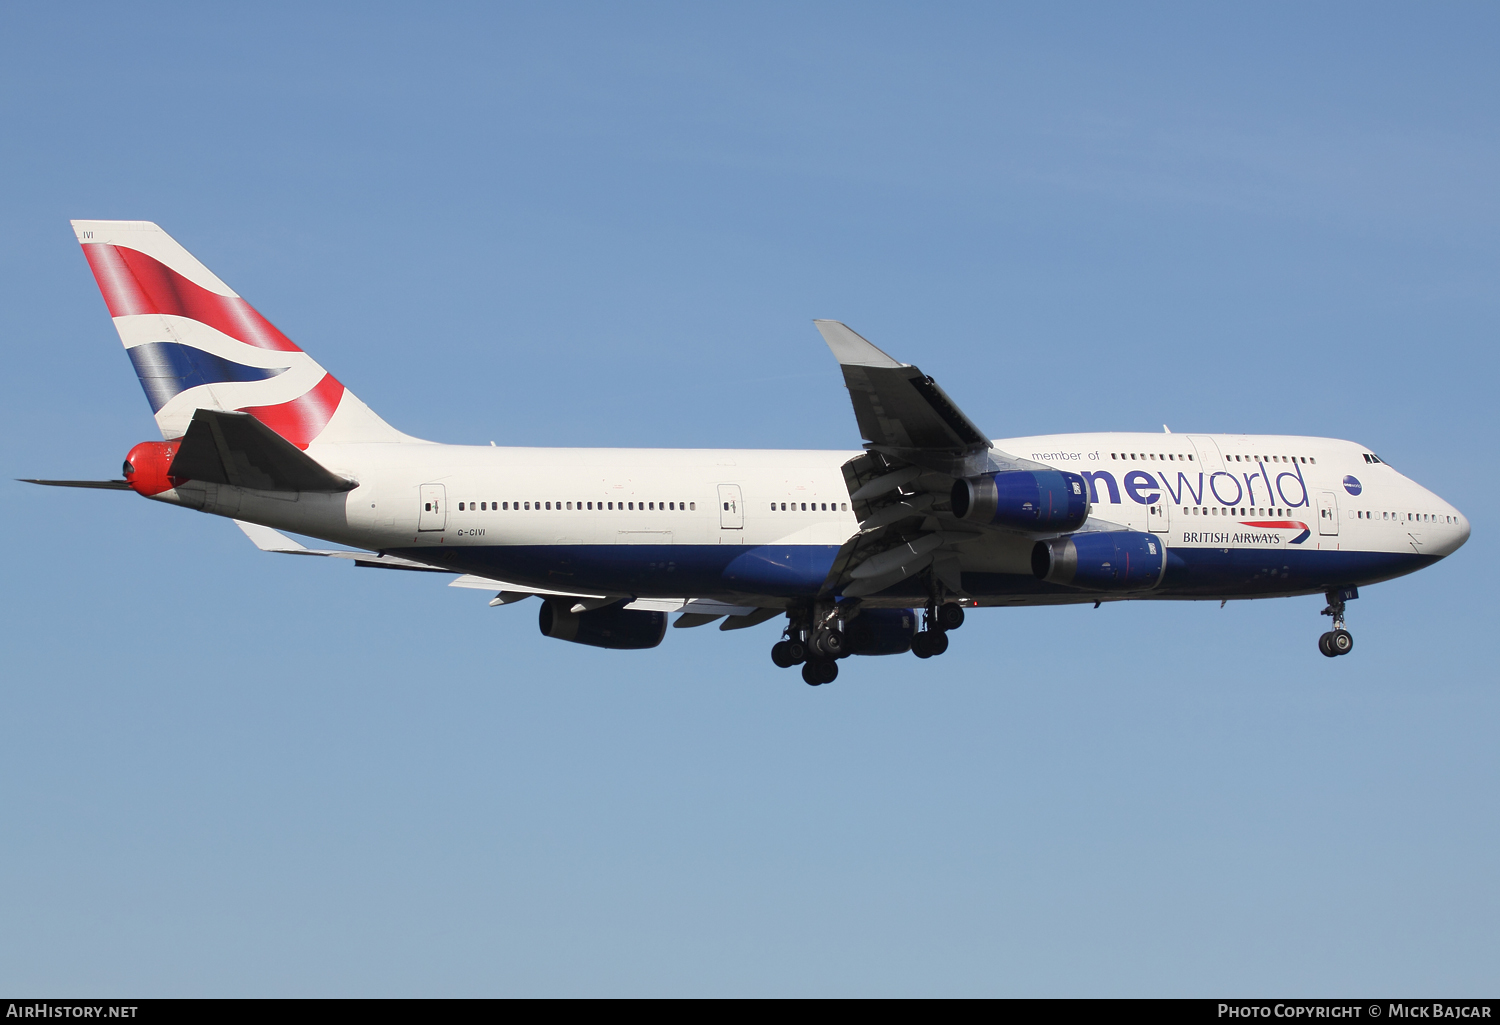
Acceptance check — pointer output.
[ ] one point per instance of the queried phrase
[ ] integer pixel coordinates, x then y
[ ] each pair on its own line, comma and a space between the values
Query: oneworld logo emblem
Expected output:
1352, 485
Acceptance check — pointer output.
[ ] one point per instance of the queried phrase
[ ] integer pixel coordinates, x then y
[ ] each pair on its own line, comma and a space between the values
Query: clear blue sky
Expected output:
232, 773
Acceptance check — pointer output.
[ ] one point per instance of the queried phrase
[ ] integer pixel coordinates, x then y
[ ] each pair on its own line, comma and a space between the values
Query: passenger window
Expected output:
783, 507
428, 507
844, 506
693, 506
804, 507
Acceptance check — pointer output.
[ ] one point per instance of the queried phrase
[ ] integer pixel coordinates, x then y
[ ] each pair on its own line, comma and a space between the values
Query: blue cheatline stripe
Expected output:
798, 571
168, 368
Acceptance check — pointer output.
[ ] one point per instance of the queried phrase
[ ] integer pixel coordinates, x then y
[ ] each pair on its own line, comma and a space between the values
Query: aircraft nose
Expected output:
1451, 537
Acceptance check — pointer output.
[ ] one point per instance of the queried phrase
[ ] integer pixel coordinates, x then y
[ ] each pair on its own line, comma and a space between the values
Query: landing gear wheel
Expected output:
1337, 641
929, 643
950, 616
817, 672
781, 654
830, 643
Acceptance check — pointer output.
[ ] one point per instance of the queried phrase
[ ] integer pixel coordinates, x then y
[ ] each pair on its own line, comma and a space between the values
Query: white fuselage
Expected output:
554, 516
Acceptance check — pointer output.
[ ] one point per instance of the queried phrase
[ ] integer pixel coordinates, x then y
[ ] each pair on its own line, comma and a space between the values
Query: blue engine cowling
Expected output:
1109, 560
612, 627
880, 632
1037, 500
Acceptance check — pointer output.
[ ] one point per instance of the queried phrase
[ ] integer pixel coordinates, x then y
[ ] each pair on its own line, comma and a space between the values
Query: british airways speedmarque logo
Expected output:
1352, 484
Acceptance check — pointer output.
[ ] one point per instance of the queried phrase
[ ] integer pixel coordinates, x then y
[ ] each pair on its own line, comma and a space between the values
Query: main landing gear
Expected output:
1337, 641
813, 640
937, 621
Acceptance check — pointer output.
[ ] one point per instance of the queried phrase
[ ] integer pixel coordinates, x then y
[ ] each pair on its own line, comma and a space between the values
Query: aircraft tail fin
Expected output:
196, 344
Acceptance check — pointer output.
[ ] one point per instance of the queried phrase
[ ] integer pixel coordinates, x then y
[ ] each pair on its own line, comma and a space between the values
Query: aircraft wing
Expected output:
918, 443
899, 408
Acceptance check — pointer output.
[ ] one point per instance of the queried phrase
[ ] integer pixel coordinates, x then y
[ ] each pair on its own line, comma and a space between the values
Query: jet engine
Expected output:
1035, 500
1107, 560
610, 627
880, 632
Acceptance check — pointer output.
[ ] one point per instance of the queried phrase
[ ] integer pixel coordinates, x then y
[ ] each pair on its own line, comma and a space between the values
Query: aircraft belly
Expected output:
788, 571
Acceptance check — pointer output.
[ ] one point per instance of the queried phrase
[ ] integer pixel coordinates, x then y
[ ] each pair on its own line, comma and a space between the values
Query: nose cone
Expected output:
1448, 538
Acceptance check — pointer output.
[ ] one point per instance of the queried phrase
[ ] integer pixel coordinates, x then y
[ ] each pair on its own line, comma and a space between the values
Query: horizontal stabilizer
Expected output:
268, 539
104, 485
236, 448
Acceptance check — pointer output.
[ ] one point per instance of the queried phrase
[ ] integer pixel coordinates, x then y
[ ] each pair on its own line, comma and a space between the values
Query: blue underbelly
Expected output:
798, 571
788, 571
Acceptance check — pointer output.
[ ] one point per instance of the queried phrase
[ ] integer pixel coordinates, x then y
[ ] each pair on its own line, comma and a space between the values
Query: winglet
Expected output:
850, 349
269, 540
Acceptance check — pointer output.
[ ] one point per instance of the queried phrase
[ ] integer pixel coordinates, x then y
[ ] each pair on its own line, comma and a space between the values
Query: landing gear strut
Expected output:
936, 622
814, 641
1337, 641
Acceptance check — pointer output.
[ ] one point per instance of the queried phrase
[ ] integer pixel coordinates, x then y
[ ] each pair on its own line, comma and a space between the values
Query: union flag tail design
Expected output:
196, 344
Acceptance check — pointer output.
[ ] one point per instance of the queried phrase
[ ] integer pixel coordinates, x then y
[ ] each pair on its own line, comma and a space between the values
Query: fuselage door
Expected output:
1158, 519
432, 514
1208, 452
1328, 513
731, 507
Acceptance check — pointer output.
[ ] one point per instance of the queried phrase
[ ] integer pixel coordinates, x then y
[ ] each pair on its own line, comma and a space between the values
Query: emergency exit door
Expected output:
432, 514
731, 507
1328, 513
1158, 518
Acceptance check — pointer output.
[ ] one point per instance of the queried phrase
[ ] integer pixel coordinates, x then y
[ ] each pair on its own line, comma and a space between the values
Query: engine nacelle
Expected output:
611, 627
1109, 560
880, 632
1036, 500
146, 467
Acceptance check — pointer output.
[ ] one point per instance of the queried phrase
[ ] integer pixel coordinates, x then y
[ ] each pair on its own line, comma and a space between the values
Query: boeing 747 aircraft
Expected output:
873, 552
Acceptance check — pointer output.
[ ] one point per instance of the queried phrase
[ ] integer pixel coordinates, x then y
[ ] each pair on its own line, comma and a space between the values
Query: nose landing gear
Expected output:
1337, 641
